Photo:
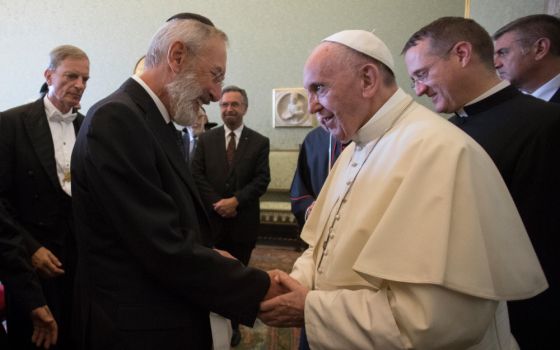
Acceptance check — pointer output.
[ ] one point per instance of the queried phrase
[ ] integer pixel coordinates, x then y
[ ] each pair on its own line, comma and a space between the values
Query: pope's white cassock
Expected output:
414, 241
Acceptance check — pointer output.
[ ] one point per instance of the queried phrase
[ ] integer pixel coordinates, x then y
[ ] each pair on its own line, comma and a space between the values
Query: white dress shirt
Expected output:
63, 136
546, 91
237, 133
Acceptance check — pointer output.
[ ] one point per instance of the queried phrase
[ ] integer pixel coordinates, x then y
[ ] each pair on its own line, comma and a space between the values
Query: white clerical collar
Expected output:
546, 91
382, 119
51, 109
498, 87
157, 101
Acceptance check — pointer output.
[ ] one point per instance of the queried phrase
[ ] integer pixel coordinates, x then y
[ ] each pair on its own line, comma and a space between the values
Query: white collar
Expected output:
157, 101
500, 86
51, 109
237, 131
548, 89
378, 124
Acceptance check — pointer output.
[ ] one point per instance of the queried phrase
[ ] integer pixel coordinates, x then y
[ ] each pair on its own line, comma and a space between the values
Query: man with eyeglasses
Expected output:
36, 142
232, 172
527, 54
146, 277
451, 61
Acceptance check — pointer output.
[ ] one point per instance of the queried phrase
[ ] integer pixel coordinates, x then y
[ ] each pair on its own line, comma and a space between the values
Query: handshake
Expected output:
284, 303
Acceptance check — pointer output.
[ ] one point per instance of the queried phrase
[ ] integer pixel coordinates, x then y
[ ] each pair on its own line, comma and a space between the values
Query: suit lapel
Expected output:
163, 133
40, 136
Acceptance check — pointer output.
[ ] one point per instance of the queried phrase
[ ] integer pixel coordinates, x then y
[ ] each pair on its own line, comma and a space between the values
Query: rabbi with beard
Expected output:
145, 280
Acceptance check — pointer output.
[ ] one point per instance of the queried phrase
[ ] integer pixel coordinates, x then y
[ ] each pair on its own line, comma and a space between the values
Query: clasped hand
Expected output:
284, 303
226, 207
46, 263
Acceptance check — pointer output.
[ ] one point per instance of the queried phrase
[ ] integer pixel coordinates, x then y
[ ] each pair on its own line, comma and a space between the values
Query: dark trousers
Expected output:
303, 343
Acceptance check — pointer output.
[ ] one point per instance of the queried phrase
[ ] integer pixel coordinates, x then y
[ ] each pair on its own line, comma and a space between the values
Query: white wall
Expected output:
493, 14
269, 41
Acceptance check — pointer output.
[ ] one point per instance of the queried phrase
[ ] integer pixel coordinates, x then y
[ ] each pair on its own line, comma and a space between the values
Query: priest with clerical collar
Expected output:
451, 61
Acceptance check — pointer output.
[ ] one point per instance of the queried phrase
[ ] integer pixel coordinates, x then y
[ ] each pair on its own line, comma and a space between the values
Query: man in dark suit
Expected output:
527, 54
450, 60
17, 272
36, 142
145, 280
190, 134
317, 155
232, 172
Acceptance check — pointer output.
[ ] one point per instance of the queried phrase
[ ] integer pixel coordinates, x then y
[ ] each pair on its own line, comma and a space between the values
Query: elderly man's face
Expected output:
199, 82
67, 83
512, 61
434, 76
211, 70
334, 92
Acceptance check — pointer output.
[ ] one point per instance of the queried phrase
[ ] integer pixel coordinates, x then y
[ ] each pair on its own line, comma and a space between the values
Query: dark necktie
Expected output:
230, 150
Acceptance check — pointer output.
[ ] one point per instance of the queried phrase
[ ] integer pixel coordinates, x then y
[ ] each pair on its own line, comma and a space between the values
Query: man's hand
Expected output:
275, 288
285, 310
45, 329
46, 263
226, 207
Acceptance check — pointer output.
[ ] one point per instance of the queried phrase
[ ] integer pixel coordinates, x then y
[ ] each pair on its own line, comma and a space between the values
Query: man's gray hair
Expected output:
192, 33
533, 27
60, 53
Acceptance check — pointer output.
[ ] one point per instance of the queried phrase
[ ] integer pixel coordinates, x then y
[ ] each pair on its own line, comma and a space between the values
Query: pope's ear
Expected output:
371, 78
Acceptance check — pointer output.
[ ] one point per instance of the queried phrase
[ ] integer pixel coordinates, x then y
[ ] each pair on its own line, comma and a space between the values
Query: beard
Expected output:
184, 93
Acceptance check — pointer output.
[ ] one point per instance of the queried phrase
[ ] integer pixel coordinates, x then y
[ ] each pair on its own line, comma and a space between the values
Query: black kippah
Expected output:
193, 16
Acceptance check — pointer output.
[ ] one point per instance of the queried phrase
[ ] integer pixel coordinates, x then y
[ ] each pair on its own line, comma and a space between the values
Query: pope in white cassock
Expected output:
414, 241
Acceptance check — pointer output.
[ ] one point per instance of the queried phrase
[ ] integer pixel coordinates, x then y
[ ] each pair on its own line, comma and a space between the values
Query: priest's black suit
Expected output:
247, 180
145, 281
522, 136
30, 187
